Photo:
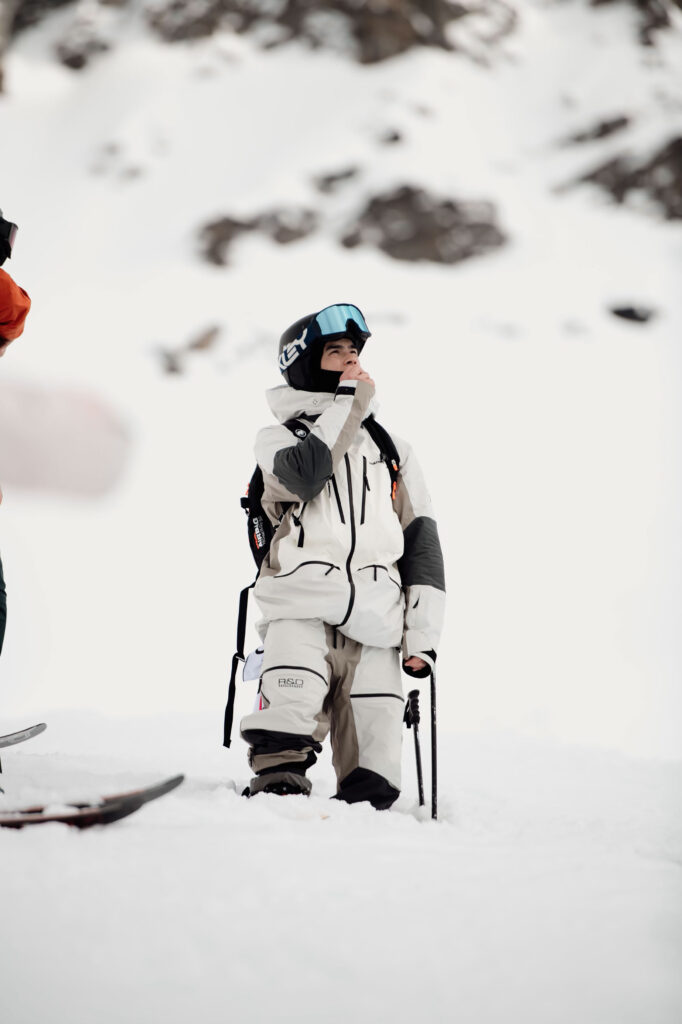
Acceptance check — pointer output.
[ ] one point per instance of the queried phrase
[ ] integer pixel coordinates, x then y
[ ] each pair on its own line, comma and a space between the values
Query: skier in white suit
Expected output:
354, 573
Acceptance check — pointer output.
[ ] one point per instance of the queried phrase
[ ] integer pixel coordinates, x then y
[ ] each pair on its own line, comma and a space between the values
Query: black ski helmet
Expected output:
302, 344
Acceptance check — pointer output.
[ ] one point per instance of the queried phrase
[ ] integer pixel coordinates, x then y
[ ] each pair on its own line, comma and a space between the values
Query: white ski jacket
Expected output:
345, 549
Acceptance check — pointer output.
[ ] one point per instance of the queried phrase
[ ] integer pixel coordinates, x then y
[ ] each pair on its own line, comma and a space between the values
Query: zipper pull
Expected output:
297, 522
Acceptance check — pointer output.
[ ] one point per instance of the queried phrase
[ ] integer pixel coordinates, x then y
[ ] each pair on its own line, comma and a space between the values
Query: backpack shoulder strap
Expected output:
236, 658
386, 446
298, 427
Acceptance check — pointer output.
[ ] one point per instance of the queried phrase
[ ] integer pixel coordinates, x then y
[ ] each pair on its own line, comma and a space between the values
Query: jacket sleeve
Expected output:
298, 472
14, 307
421, 566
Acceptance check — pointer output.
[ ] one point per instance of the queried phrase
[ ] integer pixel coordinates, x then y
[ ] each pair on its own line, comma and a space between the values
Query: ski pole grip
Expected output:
412, 709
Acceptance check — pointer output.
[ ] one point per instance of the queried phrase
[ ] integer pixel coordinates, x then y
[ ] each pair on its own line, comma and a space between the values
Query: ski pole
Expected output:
434, 750
411, 719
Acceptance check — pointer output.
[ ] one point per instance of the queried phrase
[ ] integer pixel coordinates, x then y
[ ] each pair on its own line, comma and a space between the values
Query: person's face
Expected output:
338, 354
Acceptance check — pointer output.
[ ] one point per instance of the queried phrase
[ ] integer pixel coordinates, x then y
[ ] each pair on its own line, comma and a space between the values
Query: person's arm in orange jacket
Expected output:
14, 307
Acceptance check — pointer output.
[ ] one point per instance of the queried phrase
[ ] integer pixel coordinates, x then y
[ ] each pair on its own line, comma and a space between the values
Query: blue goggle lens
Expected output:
334, 319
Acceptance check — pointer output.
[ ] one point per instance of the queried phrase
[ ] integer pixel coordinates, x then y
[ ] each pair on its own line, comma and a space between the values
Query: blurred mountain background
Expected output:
497, 185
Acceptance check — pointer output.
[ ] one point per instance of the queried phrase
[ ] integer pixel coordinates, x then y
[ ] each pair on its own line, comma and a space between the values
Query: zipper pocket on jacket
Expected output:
358, 696
338, 499
377, 566
313, 561
365, 488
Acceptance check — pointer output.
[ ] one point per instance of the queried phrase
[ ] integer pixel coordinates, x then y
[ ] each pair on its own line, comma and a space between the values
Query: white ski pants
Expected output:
315, 679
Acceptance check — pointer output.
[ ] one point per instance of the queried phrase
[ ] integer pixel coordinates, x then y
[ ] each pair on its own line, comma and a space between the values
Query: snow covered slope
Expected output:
549, 890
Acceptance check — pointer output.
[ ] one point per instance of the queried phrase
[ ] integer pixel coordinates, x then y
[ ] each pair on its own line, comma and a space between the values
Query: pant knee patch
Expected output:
265, 741
275, 751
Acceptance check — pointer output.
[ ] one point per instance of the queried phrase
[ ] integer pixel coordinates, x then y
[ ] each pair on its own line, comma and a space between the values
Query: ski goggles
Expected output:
335, 319
338, 321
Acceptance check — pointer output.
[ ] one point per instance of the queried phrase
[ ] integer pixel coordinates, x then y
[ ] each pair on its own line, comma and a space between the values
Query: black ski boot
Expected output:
285, 782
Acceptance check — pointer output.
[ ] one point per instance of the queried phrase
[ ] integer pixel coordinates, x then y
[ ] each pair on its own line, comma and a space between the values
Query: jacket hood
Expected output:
287, 403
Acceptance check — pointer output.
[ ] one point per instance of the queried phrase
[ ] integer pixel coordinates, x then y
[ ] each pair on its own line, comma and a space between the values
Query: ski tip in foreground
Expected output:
108, 810
23, 734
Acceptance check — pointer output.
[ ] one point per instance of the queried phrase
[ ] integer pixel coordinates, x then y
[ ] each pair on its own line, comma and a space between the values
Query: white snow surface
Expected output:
549, 431
549, 889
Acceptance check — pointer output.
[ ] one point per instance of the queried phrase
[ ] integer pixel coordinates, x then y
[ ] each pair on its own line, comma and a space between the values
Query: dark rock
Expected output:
409, 224
177, 20
660, 178
283, 226
173, 360
204, 339
390, 137
602, 129
330, 182
654, 15
289, 225
81, 41
216, 237
76, 49
30, 12
379, 28
638, 314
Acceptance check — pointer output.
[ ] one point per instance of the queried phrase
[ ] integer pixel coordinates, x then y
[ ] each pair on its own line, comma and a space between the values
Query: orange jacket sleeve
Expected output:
14, 307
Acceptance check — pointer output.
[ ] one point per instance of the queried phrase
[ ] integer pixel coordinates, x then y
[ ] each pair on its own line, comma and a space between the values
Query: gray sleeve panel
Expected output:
422, 561
304, 468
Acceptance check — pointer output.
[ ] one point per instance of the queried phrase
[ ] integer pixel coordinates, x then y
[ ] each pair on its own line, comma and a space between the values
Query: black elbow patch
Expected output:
304, 468
422, 562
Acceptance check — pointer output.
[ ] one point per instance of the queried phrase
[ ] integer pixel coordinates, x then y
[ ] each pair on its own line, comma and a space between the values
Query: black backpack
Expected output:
261, 531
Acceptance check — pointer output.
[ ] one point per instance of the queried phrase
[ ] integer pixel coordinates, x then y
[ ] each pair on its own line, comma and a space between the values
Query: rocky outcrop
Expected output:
91, 31
178, 20
635, 314
82, 42
30, 12
654, 15
375, 30
601, 130
659, 178
173, 360
282, 225
406, 224
331, 182
411, 224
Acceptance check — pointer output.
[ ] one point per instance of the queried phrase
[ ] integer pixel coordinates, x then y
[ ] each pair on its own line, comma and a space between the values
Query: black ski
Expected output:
109, 809
24, 734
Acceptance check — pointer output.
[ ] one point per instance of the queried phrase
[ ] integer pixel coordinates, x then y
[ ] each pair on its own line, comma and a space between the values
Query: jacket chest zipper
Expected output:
338, 500
365, 488
352, 543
